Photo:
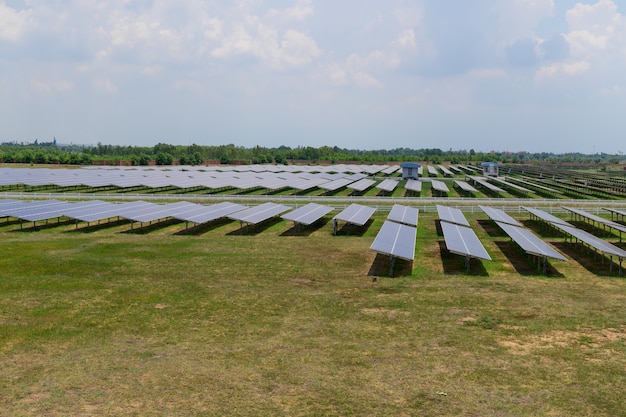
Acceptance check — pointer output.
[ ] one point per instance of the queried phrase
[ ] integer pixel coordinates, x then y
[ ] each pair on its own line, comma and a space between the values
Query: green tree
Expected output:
164, 158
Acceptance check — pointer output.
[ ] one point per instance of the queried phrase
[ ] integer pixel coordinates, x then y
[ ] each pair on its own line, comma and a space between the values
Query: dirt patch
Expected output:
386, 312
300, 281
584, 338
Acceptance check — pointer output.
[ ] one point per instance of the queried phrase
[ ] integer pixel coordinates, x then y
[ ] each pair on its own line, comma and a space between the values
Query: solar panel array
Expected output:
529, 242
600, 220
431, 171
463, 241
307, 214
301, 178
459, 238
546, 217
451, 215
413, 185
356, 214
525, 239
388, 185
508, 184
396, 240
397, 236
403, 214
485, 183
258, 214
439, 186
499, 216
465, 186
592, 241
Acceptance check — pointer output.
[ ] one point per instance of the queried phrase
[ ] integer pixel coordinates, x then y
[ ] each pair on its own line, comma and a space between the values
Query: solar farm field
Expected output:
276, 319
340, 181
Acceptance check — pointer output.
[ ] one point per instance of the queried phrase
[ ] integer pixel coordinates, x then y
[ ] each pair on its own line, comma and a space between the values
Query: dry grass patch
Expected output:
600, 340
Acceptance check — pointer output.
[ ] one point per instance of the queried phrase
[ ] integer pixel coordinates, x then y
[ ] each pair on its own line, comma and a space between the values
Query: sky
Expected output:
487, 75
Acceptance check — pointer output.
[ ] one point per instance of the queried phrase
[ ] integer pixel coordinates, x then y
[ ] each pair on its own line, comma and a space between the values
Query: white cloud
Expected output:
105, 85
48, 87
519, 18
406, 39
555, 70
13, 23
255, 38
593, 27
302, 10
365, 80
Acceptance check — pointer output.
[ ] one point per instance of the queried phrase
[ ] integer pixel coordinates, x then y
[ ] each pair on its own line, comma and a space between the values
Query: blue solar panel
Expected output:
499, 216
259, 213
529, 242
463, 241
356, 214
451, 215
403, 214
308, 214
396, 239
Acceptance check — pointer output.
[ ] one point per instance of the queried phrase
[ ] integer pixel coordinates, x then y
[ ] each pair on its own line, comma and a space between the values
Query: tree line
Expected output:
167, 154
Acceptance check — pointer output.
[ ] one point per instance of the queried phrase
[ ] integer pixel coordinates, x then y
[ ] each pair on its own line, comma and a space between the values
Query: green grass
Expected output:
157, 322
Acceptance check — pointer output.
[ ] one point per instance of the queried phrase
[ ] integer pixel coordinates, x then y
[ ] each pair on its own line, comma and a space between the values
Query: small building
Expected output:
490, 169
410, 170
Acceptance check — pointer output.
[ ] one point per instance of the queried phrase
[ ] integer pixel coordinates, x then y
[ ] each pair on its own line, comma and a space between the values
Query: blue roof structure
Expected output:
410, 165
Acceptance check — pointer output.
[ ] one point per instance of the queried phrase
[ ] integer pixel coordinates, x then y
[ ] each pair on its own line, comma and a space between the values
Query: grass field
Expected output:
215, 322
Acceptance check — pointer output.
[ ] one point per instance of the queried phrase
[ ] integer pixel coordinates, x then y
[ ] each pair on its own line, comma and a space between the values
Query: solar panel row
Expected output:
403, 214
308, 214
592, 241
459, 238
525, 239
397, 236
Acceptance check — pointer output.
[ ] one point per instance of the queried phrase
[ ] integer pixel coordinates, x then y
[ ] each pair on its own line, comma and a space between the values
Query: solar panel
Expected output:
403, 214
440, 186
414, 185
532, 184
23, 211
106, 211
204, 214
160, 211
445, 171
46, 212
7, 206
388, 185
463, 241
511, 185
465, 186
482, 181
432, 171
598, 219
258, 214
621, 213
396, 240
529, 242
451, 215
594, 241
547, 217
308, 214
356, 214
362, 185
499, 216
336, 184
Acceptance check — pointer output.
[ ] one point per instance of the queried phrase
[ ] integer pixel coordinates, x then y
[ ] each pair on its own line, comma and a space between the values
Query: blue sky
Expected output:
503, 75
